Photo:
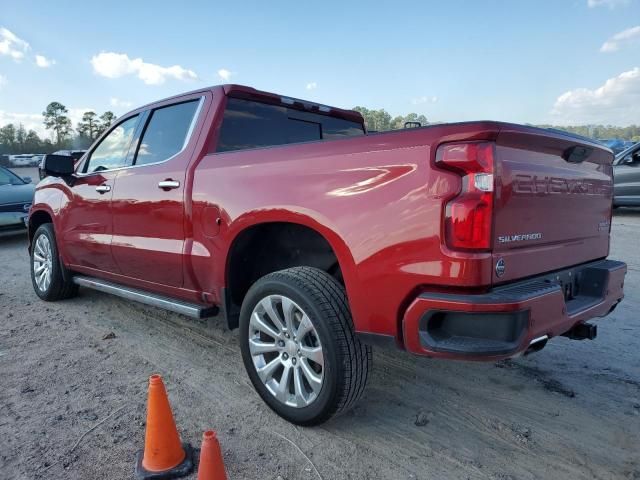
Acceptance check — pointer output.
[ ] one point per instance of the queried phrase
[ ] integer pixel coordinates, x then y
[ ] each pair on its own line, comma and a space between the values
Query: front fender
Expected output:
47, 201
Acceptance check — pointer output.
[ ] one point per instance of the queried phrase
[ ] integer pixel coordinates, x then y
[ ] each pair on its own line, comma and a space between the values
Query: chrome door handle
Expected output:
103, 188
168, 184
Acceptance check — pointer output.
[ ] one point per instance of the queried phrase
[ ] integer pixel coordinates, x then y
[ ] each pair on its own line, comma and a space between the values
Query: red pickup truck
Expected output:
472, 241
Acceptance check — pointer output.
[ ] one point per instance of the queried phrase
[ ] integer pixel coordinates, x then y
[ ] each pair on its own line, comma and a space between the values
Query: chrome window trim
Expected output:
187, 139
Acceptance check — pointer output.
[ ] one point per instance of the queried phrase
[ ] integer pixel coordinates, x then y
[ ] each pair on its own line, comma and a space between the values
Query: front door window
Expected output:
112, 151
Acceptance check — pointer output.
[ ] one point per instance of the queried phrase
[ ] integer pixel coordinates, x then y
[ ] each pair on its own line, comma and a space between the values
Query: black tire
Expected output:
61, 285
346, 360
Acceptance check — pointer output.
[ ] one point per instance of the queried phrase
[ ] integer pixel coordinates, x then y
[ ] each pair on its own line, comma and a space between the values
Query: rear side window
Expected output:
166, 132
248, 124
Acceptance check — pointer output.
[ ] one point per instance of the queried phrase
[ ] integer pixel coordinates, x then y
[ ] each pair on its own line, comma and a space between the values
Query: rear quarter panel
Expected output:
376, 200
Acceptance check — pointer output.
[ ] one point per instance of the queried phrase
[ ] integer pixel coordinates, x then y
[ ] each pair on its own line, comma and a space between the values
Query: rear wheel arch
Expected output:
263, 248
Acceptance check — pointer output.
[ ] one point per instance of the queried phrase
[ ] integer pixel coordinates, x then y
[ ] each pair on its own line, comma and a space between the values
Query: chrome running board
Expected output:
178, 306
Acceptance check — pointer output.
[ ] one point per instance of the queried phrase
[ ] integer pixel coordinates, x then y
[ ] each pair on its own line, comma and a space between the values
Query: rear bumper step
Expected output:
193, 310
516, 318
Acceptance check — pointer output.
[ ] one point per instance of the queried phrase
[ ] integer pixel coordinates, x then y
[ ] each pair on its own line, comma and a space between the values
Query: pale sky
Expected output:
562, 61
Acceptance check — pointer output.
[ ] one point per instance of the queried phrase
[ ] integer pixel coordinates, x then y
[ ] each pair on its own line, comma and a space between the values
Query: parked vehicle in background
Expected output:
626, 178
36, 160
318, 240
615, 144
23, 160
77, 154
16, 196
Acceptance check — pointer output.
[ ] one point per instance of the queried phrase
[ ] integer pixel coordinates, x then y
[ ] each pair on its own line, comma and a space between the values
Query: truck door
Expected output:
148, 201
86, 218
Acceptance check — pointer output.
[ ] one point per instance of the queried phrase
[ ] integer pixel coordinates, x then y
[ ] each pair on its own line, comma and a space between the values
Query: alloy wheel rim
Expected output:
286, 351
42, 263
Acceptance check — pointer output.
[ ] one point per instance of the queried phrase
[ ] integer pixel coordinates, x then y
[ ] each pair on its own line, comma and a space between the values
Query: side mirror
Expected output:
27, 179
58, 165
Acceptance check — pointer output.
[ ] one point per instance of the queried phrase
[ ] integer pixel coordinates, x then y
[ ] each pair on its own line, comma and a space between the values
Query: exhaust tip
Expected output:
537, 344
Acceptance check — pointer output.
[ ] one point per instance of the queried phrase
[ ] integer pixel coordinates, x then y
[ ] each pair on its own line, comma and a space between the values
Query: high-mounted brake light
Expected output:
306, 105
468, 217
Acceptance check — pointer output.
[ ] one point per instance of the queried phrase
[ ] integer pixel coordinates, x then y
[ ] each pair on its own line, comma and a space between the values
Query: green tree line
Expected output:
381, 120
632, 132
15, 139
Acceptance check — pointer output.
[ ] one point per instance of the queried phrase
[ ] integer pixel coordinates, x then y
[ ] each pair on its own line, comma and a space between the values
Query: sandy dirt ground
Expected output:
571, 411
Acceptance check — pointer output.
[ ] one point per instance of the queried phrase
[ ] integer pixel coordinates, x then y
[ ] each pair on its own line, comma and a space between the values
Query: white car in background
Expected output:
72, 153
23, 160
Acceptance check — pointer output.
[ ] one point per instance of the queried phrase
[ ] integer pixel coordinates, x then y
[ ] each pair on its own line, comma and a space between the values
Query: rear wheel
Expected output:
299, 347
47, 276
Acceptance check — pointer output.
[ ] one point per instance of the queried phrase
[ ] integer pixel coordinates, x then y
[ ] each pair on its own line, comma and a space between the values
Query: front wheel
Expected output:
47, 276
299, 346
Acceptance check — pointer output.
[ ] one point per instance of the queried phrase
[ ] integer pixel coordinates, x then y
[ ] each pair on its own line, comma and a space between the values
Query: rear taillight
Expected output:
468, 217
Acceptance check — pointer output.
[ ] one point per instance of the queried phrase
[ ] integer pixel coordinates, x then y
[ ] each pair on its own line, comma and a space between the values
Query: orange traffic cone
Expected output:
163, 456
211, 464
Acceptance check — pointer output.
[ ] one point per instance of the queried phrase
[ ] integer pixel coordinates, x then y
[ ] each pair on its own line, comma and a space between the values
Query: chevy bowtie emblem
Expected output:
500, 267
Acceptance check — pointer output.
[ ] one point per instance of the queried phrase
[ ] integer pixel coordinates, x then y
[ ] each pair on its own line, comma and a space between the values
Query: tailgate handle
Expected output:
577, 154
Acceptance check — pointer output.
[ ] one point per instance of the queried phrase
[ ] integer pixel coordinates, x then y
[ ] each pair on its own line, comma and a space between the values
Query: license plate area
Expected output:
569, 282
580, 286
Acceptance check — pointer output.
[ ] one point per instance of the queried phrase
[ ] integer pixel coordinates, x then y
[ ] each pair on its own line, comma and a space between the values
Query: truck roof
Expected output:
243, 91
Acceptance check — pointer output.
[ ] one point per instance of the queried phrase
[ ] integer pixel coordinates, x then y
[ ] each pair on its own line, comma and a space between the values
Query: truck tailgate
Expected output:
553, 196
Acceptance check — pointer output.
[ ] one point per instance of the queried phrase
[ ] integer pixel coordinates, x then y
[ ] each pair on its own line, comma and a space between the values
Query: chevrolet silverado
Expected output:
471, 241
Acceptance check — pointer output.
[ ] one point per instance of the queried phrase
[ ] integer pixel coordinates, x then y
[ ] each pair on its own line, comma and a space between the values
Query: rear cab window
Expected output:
251, 124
